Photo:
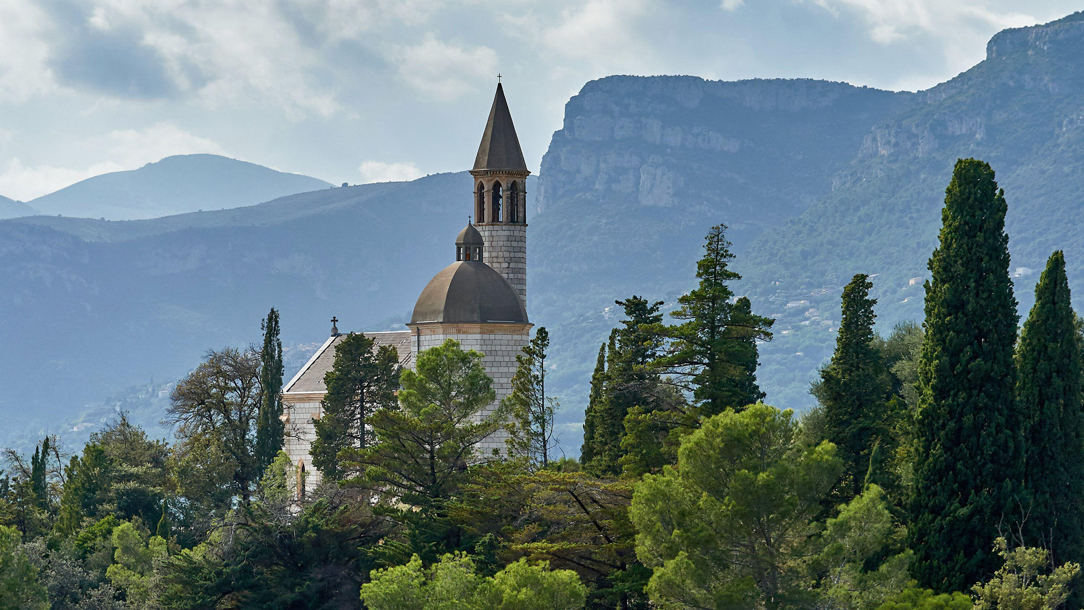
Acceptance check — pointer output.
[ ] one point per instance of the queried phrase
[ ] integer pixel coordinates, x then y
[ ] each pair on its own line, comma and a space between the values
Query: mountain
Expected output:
174, 185
9, 208
1021, 109
816, 180
642, 167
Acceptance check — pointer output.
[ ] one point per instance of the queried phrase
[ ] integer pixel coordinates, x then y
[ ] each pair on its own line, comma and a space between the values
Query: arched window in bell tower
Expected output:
495, 208
513, 202
480, 203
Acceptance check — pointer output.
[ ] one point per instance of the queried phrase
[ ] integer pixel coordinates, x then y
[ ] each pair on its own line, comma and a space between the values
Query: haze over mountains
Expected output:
817, 181
174, 185
9, 208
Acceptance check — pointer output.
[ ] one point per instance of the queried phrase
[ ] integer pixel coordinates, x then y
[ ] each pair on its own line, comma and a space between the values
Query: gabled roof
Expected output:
311, 376
500, 145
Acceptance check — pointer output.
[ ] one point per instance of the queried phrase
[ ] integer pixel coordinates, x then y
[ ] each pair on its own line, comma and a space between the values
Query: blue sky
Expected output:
369, 90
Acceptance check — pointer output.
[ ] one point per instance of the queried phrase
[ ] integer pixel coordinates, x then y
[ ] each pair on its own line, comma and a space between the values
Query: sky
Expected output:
373, 90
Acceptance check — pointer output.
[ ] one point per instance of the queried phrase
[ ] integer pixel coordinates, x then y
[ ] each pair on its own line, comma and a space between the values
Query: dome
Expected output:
469, 236
469, 292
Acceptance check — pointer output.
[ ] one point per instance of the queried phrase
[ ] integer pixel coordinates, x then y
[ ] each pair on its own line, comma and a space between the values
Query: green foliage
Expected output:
121, 473
1021, 584
214, 410
715, 349
725, 527
531, 430
362, 380
1048, 392
969, 460
853, 389
275, 484
915, 598
854, 569
423, 447
270, 429
19, 586
593, 423
268, 557
629, 382
135, 558
452, 584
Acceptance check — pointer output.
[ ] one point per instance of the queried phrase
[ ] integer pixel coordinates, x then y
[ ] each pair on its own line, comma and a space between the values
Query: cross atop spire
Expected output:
334, 326
500, 149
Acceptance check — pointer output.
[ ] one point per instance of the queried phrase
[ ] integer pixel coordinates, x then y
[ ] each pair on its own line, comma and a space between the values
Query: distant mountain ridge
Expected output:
816, 180
175, 185
9, 208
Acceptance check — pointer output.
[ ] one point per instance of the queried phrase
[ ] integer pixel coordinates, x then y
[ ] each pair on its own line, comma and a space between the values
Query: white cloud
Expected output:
732, 5
122, 149
893, 20
445, 70
379, 171
25, 183
24, 28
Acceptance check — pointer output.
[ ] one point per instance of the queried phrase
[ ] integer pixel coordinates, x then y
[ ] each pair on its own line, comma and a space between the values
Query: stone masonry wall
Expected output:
300, 433
506, 251
500, 351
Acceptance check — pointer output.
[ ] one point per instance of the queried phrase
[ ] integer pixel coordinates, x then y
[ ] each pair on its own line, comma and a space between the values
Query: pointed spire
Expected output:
500, 149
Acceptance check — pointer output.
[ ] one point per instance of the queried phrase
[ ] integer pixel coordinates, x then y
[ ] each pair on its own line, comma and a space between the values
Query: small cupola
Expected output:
469, 244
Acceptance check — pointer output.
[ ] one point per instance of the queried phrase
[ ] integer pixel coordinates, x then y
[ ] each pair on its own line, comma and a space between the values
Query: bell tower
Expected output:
500, 196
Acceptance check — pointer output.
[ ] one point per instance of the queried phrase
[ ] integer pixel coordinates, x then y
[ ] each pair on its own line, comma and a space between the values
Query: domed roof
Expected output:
469, 292
469, 236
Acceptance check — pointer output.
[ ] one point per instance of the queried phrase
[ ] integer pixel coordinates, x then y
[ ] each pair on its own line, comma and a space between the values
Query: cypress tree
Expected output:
854, 386
969, 465
270, 429
1048, 392
39, 478
594, 408
630, 381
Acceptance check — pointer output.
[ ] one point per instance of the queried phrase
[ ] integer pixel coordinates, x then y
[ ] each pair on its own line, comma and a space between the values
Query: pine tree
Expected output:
969, 462
854, 387
1048, 392
594, 408
361, 380
270, 429
714, 349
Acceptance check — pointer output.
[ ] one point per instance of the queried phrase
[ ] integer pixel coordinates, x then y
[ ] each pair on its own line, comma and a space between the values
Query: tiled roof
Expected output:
311, 376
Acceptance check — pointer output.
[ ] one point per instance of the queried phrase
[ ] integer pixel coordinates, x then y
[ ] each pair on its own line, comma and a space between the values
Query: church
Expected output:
480, 300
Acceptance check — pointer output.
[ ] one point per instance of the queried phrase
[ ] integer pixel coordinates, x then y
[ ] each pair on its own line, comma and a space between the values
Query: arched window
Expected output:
466, 254
480, 204
513, 202
495, 209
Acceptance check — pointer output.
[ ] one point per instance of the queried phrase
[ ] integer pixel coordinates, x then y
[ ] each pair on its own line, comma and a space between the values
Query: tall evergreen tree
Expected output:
531, 411
630, 381
363, 379
854, 386
594, 407
270, 429
969, 462
1048, 391
714, 349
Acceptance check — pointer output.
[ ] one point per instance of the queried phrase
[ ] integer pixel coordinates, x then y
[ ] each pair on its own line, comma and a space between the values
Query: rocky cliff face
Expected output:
642, 167
1021, 109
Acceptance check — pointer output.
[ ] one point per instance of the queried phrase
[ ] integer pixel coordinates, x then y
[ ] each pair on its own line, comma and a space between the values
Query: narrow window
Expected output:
513, 202
480, 204
495, 213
